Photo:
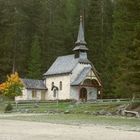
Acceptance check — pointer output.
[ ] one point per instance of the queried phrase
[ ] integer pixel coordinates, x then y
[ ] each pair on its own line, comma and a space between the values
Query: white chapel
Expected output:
71, 77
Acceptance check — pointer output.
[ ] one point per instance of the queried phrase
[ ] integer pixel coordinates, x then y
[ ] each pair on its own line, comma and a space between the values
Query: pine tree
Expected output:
55, 22
99, 37
34, 64
126, 25
59, 31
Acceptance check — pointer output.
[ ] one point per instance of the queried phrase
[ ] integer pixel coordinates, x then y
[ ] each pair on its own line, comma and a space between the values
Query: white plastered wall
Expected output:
38, 95
74, 93
91, 93
27, 95
62, 94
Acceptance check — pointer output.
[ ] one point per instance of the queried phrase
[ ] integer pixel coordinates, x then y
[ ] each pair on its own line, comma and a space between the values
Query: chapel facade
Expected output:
71, 77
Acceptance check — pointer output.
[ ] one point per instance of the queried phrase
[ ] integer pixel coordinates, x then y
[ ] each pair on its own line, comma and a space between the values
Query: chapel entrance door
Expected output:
83, 94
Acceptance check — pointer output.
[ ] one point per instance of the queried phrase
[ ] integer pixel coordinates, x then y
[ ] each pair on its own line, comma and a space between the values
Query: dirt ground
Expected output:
23, 130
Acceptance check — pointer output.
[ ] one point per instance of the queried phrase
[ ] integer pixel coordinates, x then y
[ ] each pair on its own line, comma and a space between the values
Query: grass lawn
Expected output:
77, 114
43, 107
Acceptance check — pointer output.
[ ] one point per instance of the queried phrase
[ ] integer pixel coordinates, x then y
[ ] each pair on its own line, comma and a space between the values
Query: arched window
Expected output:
52, 85
60, 85
54, 93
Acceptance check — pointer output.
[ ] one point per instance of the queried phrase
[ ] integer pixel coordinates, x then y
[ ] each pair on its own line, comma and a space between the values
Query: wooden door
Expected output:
83, 94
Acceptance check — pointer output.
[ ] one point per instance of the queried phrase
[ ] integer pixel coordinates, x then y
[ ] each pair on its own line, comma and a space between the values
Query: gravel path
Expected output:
23, 130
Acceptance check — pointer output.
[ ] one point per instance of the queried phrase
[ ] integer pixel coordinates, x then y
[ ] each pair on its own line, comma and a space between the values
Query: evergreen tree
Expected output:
99, 37
9, 40
126, 25
34, 65
113, 49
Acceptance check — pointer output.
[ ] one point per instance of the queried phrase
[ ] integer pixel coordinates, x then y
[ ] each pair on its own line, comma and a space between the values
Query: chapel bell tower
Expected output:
80, 45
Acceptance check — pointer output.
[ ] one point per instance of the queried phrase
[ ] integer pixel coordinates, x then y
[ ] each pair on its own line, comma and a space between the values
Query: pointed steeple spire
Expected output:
80, 44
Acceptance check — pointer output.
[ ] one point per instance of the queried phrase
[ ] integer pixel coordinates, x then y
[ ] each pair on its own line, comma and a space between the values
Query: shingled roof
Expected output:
81, 76
34, 84
64, 65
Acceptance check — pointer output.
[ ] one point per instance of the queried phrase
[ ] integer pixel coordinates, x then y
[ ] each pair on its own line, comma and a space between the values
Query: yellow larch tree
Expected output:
12, 86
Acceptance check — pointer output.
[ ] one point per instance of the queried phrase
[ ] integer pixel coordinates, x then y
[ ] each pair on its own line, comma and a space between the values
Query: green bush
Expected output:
8, 108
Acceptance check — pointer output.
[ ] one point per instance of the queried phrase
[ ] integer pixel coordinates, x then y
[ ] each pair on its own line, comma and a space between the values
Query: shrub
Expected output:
8, 108
12, 86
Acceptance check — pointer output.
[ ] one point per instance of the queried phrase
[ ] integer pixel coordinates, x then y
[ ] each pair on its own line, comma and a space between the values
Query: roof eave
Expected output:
38, 88
75, 84
80, 48
54, 74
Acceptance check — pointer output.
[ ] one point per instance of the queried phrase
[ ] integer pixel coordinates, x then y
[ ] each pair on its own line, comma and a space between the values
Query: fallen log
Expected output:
125, 112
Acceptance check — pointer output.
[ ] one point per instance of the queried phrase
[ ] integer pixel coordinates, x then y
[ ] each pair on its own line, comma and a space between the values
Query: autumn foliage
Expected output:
12, 87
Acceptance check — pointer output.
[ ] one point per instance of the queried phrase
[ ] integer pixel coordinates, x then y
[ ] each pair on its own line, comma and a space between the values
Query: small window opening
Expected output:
52, 85
60, 86
54, 93
34, 93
